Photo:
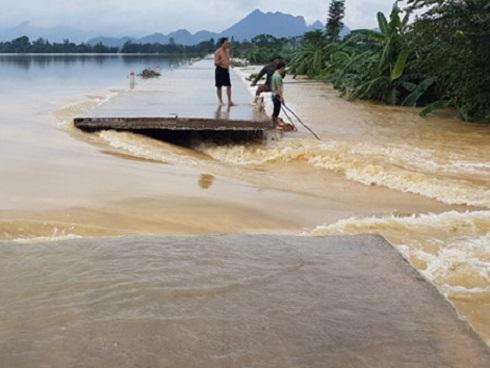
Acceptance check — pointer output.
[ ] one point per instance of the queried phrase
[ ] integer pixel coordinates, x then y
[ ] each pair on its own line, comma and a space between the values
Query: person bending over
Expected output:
268, 71
222, 72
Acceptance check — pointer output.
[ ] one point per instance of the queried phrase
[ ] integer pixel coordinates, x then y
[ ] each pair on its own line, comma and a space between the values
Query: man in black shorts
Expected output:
222, 73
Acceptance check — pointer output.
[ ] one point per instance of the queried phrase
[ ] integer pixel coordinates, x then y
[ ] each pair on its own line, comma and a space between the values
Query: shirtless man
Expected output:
222, 73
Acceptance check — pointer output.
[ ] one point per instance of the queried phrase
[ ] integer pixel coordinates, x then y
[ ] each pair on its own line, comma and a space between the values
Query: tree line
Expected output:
25, 45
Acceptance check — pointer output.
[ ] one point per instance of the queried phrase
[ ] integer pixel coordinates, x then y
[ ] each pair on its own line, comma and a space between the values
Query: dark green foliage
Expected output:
24, 45
336, 14
454, 39
262, 48
378, 65
310, 59
440, 59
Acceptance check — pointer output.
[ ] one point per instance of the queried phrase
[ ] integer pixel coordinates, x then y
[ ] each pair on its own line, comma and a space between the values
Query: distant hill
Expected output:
316, 26
110, 41
345, 31
181, 37
55, 34
256, 23
275, 24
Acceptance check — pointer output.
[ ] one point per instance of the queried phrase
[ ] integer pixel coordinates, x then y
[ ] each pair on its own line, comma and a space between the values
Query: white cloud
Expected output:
120, 17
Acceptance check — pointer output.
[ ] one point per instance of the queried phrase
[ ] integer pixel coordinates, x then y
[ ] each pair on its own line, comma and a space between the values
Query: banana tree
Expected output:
311, 58
379, 65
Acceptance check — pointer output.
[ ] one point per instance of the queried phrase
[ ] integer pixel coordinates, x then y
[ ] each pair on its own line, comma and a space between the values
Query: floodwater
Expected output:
224, 301
424, 184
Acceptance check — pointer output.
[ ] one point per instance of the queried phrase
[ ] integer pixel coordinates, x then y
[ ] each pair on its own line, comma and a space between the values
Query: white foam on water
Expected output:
469, 166
144, 147
454, 222
397, 168
70, 111
132, 144
57, 235
451, 249
464, 258
429, 160
67, 114
453, 245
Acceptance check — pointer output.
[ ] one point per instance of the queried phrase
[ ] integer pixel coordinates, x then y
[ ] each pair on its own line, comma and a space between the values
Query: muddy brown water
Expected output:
225, 301
424, 184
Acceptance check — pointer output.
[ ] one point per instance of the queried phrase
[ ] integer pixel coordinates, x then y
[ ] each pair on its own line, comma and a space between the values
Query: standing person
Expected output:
222, 72
268, 71
277, 87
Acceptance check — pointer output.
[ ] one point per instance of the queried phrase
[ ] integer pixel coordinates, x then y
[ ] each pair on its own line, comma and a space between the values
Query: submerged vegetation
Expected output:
440, 59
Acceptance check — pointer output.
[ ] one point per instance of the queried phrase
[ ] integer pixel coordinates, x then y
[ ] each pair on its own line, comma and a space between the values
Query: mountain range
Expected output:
54, 34
257, 22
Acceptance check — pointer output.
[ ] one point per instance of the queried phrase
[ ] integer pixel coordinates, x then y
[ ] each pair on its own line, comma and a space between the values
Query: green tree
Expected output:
453, 38
310, 59
40, 45
381, 66
336, 13
21, 44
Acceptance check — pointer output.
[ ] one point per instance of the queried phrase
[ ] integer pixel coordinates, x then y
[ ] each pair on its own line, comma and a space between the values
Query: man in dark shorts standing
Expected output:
222, 73
268, 71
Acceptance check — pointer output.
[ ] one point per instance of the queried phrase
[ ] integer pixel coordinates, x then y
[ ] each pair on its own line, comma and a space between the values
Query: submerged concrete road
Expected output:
183, 99
225, 301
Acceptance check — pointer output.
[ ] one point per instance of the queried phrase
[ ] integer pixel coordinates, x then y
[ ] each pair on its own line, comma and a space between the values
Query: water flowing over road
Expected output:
422, 183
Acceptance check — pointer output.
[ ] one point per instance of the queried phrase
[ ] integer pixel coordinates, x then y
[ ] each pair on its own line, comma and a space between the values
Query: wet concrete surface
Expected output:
182, 99
225, 301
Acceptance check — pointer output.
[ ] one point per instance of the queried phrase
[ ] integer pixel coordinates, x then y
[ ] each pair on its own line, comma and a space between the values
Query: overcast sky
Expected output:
138, 17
